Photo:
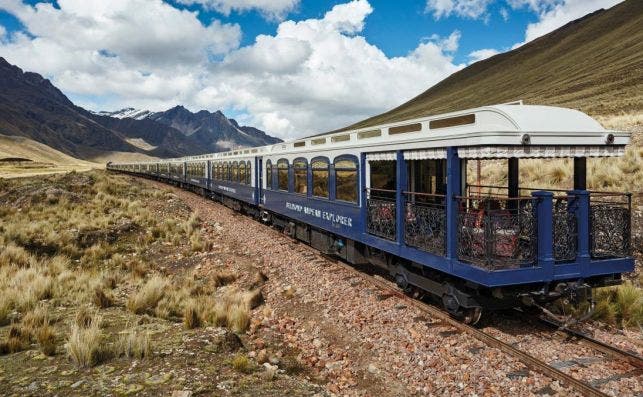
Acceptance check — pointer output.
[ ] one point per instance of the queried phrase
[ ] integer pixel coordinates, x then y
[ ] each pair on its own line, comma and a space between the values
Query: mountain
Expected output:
32, 107
213, 130
593, 64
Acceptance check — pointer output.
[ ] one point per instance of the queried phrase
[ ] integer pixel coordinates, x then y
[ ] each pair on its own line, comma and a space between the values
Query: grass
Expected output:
84, 345
135, 344
148, 297
242, 364
621, 305
46, 338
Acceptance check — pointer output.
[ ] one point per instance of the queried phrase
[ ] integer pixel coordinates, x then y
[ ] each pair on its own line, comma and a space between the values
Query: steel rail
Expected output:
630, 357
528, 360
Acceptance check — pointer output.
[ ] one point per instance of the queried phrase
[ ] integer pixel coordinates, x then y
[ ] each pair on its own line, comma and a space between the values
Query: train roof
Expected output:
497, 125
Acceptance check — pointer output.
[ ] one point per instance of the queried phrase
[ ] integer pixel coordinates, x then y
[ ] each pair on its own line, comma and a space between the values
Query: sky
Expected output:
289, 67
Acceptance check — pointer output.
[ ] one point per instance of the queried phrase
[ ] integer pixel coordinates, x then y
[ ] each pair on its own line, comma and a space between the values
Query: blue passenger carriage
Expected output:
399, 196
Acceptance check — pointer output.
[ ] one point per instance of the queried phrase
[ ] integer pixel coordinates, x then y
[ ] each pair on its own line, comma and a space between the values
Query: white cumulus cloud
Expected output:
472, 9
310, 76
273, 9
552, 14
482, 54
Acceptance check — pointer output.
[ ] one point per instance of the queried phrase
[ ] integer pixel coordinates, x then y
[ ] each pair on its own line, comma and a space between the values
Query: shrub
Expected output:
84, 344
12, 254
148, 297
629, 300
37, 318
46, 340
191, 315
241, 363
238, 318
18, 340
101, 298
134, 344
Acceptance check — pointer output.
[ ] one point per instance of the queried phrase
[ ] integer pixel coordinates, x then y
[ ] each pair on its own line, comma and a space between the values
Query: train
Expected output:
400, 197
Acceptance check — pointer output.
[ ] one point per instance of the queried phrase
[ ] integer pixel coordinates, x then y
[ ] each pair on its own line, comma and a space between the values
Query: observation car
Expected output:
399, 196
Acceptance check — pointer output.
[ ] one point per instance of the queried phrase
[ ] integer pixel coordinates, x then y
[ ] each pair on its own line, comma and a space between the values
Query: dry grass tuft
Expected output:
242, 364
18, 340
622, 305
238, 318
84, 344
12, 254
223, 277
101, 298
135, 344
148, 297
192, 315
37, 318
46, 338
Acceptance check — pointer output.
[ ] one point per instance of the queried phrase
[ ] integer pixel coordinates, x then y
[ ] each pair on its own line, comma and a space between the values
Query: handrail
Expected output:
425, 194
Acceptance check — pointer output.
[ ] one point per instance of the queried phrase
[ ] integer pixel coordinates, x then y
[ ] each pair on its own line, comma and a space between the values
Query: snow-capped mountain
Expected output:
129, 113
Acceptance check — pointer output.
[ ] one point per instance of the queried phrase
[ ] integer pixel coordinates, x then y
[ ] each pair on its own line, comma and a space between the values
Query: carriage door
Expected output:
381, 205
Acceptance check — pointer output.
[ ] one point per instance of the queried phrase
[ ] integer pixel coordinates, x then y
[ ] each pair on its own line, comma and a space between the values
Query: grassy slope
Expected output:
592, 64
45, 159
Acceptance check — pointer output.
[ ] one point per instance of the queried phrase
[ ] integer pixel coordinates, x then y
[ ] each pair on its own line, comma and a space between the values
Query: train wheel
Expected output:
472, 315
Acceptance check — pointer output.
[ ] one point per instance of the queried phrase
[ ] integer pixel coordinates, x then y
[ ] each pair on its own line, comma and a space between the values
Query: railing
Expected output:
425, 222
497, 233
610, 225
381, 215
565, 227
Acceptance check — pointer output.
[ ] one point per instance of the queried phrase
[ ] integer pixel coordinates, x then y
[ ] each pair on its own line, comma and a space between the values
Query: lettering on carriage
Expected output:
325, 215
227, 189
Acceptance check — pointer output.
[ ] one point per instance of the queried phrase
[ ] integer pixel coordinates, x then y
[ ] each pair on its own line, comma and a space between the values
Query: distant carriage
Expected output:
396, 196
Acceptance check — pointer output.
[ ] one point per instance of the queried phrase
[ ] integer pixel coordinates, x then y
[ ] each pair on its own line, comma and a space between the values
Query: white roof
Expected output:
496, 125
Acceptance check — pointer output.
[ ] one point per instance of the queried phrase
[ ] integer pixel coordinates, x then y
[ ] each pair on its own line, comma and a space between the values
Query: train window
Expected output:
268, 174
248, 173
318, 141
320, 169
346, 179
340, 138
301, 175
234, 175
282, 174
226, 171
369, 134
403, 129
383, 177
453, 121
242, 172
299, 144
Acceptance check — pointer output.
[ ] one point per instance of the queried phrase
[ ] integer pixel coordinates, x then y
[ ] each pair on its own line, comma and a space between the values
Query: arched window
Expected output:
320, 169
218, 171
346, 179
242, 172
235, 172
268, 174
282, 174
248, 173
301, 175
226, 171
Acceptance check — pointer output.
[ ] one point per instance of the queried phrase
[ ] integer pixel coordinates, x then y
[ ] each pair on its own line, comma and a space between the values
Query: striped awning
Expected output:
381, 156
425, 154
528, 151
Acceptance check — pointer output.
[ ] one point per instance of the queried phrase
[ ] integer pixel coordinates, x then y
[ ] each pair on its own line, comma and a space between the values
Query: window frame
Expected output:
269, 173
280, 162
327, 170
242, 176
355, 161
295, 167
248, 173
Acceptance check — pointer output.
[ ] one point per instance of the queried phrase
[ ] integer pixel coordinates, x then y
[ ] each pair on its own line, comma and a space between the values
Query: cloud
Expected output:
272, 9
329, 77
471, 9
482, 54
552, 14
3, 32
504, 13
310, 76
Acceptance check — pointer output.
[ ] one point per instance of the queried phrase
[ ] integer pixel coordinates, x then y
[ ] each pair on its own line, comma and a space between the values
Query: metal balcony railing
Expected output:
425, 222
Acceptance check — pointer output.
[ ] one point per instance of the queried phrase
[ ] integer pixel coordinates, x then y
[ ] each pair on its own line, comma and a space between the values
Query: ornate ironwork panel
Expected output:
381, 218
565, 230
425, 227
610, 230
497, 233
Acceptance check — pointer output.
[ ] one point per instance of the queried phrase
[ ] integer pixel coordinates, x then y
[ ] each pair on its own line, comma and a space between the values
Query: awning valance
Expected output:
528, 151
381, 156
425, 154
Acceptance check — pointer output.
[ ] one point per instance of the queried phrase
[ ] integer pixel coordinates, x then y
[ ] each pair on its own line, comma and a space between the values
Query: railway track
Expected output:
527, 359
